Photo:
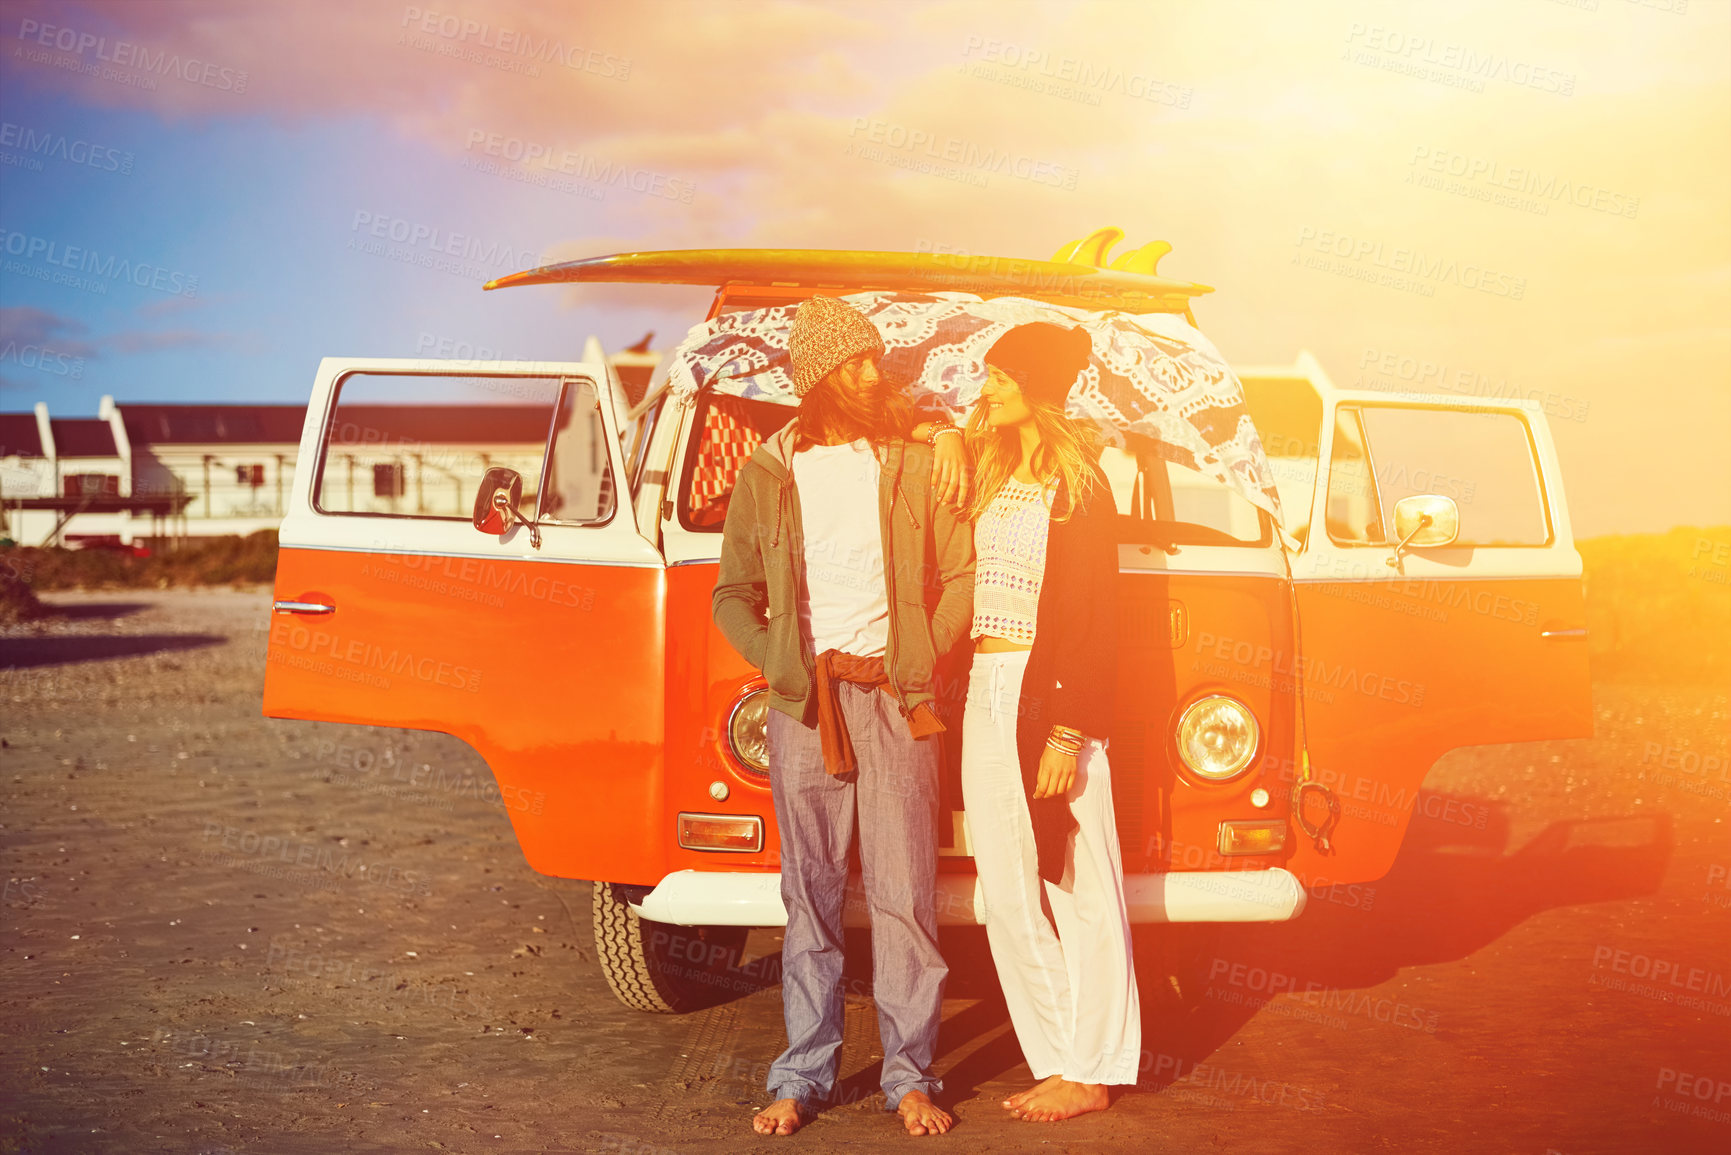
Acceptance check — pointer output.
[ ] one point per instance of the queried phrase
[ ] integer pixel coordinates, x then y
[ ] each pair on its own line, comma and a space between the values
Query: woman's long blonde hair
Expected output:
1067, 452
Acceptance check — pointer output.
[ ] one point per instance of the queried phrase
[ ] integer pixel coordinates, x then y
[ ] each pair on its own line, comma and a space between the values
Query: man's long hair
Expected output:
831, 411
1067, 452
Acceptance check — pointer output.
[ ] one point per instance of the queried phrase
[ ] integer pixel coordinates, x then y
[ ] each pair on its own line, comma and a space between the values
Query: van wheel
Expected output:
653, 966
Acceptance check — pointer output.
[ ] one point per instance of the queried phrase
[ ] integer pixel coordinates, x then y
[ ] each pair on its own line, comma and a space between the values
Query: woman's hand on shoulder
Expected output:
952, 471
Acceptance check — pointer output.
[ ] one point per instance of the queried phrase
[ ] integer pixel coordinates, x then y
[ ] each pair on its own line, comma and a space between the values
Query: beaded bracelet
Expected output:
939, 428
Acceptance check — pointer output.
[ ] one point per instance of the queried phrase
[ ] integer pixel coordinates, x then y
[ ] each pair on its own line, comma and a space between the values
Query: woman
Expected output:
1035, 780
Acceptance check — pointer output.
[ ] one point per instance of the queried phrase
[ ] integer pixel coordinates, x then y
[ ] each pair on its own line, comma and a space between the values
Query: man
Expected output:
844, 578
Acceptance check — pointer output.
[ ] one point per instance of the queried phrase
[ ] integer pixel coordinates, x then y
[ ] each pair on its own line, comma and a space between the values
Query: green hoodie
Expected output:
928, 567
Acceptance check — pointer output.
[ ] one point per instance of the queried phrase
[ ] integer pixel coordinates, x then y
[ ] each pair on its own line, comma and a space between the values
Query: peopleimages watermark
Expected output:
1441, 62
1690, 1094
364, 768
379, 986
1020, 272
355, 659
526, 157
262, 1069
439, 249
80, 266
268, 853
1066, 77
478, 41
35, 145
1717, 567
1661, 979
123, 54
1255, 983
1306, 670
1699, 770
1488, 179
42, 358
1215, 1077
1407, 375
1399, 267
927, 151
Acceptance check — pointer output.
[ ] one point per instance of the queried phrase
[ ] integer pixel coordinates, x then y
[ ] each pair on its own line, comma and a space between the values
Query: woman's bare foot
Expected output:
921, 1116
1062, 1100
782, 1117
1014, 1102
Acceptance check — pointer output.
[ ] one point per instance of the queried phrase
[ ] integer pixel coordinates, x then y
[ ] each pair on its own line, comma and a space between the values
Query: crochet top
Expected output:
1010, 561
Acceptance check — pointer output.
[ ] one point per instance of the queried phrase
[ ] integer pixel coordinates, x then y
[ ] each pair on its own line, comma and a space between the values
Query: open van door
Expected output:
1439, 605
539, 644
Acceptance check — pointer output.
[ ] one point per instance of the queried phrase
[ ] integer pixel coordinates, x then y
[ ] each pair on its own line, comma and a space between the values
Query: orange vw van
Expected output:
522, 553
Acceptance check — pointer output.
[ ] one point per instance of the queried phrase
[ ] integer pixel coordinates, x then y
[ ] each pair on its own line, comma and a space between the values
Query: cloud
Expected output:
138, 341
28, 325
171, 306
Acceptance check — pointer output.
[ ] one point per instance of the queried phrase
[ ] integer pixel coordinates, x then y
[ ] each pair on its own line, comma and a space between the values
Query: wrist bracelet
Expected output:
940, 427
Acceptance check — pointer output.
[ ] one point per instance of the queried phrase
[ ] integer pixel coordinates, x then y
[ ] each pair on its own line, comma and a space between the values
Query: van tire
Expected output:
648, 964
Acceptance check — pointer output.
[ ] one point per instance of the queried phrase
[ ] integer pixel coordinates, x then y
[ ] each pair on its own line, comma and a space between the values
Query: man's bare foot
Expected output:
1014, 1102
921, 1116
781, 1117
1061, 1100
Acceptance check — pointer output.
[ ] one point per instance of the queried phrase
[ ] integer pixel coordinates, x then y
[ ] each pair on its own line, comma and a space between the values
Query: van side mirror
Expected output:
1424, 520
496, 504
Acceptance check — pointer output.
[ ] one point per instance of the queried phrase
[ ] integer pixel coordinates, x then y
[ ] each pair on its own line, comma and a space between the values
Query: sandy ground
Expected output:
1557, 979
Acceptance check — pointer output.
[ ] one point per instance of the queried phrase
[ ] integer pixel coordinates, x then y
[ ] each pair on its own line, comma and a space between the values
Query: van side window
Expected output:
580, 488
417, 445
726, 431
1164, 503
1483, 460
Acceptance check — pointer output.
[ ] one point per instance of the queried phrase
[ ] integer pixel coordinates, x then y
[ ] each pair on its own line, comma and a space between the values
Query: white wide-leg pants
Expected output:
1071, 991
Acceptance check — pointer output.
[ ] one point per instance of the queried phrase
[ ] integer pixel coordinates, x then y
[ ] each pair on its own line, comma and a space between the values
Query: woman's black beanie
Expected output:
1044, 359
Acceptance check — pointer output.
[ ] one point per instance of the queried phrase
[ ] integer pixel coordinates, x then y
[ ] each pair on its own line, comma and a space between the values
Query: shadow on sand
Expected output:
23, 653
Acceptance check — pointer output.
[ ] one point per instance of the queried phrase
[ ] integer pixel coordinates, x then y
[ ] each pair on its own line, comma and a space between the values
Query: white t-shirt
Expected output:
847, 607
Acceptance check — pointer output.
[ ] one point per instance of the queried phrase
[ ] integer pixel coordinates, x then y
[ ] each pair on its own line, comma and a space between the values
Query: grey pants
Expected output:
894, 794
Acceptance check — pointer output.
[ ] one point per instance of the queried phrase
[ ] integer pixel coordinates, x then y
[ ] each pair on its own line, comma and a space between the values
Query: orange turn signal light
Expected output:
1252, 837
737, 832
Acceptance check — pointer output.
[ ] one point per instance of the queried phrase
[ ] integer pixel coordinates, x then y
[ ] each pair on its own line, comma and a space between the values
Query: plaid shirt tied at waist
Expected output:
834, 668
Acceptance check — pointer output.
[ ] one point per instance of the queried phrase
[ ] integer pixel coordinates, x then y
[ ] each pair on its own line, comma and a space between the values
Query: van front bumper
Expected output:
735, 898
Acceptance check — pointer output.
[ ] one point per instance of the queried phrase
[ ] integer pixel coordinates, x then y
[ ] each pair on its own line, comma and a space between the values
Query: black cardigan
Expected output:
1072, 672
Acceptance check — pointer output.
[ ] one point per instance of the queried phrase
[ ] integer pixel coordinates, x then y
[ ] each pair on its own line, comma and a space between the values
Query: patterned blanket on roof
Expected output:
1150, 374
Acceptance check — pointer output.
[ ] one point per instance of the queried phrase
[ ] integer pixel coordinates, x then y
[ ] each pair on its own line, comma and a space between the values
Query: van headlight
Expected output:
748, 731
1217, 737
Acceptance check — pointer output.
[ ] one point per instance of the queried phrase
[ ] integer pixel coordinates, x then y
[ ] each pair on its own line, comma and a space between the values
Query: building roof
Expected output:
19, 436
440, 424
148, 424
82, 437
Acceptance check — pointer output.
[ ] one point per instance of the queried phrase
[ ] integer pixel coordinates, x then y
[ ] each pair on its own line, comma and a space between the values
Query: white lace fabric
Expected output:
1010, 562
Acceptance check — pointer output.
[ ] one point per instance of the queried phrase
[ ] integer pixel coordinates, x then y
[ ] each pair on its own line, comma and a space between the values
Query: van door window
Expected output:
579, 488
1351, 513
417, 445
1482, 460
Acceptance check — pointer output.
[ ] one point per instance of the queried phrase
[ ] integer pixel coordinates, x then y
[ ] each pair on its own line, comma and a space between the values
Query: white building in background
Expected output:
140, 471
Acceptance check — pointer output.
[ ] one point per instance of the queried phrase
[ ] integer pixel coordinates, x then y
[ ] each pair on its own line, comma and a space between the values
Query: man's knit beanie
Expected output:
826, 333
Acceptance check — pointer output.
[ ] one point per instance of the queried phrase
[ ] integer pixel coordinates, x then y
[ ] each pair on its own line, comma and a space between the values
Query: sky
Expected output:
198, 201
